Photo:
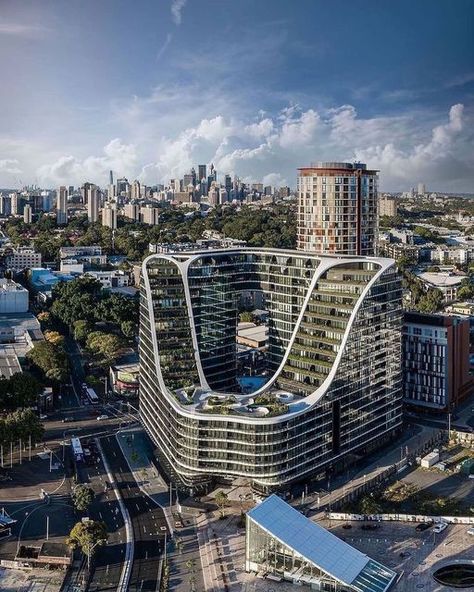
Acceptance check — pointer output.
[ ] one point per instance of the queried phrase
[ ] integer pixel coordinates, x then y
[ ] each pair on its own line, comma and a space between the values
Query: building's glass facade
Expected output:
334, 363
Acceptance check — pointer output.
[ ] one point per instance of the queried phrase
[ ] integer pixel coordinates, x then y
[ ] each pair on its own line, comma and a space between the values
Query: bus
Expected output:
77, 449
92, 396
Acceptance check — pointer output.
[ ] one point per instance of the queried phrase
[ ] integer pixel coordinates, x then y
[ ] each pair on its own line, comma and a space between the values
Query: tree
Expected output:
20, 424
246, 317
82, 497
222, 500
87, 536
81, 330
54, 337
128, 328
50, 359
369, 506
25, 389
76, 300
104, 345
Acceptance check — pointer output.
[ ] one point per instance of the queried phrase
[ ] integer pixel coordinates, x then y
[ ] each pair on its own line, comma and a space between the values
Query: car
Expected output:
370, 526
103, 416
423, 526
471, 476
68, 419
347, 526
440, 527
43, 416
470, 531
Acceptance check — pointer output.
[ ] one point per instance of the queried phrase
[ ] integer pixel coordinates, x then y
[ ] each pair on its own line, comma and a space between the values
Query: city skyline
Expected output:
149, 92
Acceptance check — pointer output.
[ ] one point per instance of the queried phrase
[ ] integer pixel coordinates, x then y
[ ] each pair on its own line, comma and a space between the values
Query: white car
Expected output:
440, 527
101, 417
471, 531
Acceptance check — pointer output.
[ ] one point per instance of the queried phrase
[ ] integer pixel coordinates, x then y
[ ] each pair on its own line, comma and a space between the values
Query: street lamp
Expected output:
89, 552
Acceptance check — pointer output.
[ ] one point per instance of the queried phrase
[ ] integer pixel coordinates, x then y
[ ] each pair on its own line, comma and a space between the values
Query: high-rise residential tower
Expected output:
109, 215
337, 209
333, 382
202, 173
421, 189
92, 203
61, 205
27, 214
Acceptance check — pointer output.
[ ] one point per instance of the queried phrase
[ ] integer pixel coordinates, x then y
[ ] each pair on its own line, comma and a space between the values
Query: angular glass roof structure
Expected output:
321, 548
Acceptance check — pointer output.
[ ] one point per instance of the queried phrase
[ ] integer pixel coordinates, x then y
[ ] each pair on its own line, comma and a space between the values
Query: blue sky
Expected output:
150, 87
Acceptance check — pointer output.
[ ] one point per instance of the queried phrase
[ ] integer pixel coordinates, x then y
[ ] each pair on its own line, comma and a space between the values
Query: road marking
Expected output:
100, 515
137, 506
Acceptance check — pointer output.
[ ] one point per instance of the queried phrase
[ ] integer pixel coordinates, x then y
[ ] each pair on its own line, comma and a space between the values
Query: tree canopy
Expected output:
50, 359
82, 496
20, 424
87, 536
20, 390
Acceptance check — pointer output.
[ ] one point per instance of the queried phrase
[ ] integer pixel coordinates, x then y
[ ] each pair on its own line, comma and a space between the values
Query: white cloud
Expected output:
442, 159
298, 129
275, 180
117, 156
176, 9
22, 29
171, 132
164, 47
10, 166
262, 129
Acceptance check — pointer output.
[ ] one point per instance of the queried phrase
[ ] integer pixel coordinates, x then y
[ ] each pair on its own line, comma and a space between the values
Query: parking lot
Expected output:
438, 484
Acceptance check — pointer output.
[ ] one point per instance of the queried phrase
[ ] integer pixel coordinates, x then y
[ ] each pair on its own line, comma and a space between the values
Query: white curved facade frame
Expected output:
344, 393
326, 264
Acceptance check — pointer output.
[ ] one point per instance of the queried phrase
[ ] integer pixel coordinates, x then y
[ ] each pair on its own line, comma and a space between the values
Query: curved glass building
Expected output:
333, 387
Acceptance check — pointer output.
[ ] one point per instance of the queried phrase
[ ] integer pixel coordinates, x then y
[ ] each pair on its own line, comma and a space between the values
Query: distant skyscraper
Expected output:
5, 205
47, 202
27, 214
111, 178
109, 215
135, 190
149, 215
337, 209
15, 203
70, 190
421, 189
123, 186
61, 205
228, 183
188, 180
202, 172
132, 211
93, 204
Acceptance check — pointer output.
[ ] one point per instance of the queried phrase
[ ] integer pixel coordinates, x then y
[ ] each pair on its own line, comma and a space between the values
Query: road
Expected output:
108, 562
148, 521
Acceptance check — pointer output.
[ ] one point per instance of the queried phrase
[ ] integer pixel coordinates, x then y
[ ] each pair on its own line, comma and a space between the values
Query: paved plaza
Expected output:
423, 552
